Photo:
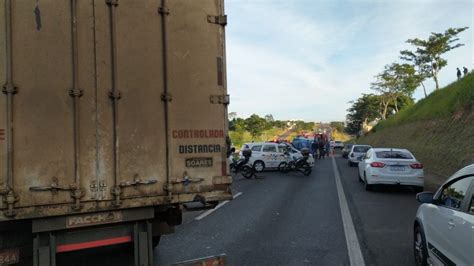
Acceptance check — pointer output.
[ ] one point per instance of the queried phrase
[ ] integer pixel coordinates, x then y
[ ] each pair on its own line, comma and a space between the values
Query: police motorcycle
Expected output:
292, 163
242, 165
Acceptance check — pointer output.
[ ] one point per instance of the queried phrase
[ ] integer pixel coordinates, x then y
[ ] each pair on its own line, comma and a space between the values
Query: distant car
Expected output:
345, 151
268, 155
338, 144
391, 167
443, 228
301, 142
356, 154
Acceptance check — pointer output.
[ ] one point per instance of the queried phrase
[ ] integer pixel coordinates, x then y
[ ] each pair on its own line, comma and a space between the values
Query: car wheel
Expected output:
283, 167
419, 247
259, 166
366, 185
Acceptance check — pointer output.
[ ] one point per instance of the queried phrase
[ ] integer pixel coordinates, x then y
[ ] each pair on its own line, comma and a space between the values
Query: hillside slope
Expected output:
439, 130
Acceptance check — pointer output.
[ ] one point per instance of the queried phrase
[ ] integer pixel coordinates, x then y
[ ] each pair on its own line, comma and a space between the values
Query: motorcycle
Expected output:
243, 166
292, 163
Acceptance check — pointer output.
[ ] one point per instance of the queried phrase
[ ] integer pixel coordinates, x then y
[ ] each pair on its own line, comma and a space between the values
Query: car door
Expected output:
447, 225
256, 153
464, 233
269, 152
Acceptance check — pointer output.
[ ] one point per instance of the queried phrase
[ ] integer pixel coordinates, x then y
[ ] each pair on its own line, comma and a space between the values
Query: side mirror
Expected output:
425, 197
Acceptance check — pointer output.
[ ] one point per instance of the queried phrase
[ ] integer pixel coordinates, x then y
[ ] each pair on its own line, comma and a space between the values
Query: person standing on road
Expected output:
314, 148
321, 149
328, 148
465, 70
458, 73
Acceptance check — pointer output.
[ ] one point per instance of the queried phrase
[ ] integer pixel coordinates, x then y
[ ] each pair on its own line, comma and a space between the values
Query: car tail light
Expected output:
416, 166
377, 165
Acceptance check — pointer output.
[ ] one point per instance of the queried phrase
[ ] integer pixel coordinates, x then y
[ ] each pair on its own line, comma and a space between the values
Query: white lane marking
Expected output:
353, 247
202, 216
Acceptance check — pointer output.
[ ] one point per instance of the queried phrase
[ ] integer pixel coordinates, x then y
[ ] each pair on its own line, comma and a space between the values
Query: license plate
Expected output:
397, 168
9, 256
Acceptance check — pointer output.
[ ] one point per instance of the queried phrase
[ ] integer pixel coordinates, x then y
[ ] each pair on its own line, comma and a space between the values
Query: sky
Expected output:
307, 59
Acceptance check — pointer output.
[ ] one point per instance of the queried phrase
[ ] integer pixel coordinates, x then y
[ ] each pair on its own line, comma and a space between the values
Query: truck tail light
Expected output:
377, 164
416, 166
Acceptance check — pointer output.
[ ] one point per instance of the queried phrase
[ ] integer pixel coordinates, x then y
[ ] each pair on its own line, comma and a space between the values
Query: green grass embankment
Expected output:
439, 130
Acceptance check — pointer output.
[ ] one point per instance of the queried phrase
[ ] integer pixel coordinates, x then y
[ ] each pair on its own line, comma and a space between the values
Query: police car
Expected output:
268, 155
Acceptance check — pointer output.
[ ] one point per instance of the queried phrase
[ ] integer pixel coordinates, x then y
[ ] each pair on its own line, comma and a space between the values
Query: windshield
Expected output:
361, 148
393, 155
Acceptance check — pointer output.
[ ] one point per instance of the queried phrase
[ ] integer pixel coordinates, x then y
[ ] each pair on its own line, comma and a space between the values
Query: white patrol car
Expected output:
268, 155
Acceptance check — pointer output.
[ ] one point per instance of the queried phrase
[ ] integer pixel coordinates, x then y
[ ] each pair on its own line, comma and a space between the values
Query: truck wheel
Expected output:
155, 240
247, 171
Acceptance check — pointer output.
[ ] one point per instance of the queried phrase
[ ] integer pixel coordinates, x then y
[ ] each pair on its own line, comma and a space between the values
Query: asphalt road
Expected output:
296, 220
287, 219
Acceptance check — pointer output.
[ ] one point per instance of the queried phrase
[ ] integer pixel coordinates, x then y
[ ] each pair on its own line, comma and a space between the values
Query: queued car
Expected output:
443, 228
356, 154
338, 144
388, 166
268, 155
346, 150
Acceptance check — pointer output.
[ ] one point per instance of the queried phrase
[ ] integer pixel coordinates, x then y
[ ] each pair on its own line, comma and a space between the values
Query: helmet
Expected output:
247, 153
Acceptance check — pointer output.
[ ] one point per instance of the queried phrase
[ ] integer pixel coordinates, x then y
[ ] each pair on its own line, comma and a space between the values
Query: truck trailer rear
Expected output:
113, 114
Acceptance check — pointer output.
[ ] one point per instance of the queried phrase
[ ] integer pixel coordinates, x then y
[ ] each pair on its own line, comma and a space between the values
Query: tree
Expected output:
339, 126
363, 110
395, 81
269, 118
427, 55
255, 125
232, 115
237, 124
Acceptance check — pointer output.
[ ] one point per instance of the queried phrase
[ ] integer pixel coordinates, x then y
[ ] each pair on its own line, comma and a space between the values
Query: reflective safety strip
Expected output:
93, 244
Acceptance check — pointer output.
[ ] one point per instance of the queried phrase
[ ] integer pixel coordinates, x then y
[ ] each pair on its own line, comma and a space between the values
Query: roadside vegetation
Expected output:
394, 86
439, 130
256, 128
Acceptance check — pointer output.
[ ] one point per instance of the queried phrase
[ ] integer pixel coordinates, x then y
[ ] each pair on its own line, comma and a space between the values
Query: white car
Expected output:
391, 167
356, 154
444, 223
338, 144
268, 155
